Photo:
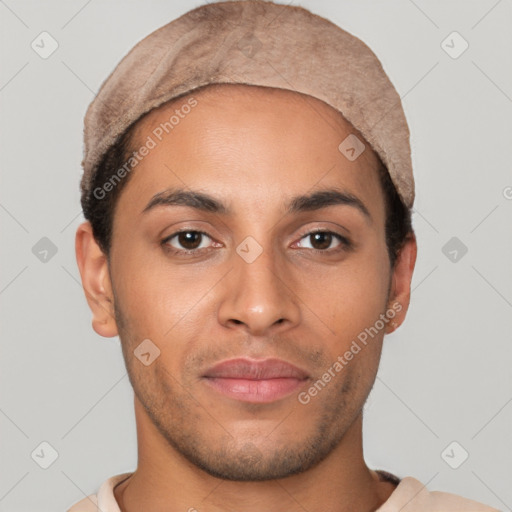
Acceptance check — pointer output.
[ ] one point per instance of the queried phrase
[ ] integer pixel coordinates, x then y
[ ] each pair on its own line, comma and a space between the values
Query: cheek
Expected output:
164, 303
148, 287
350, 297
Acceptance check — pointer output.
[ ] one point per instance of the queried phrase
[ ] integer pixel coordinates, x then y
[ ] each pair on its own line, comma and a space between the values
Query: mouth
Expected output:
256, 381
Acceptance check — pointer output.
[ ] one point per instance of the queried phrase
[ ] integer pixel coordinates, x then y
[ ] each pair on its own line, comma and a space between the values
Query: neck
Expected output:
165, 481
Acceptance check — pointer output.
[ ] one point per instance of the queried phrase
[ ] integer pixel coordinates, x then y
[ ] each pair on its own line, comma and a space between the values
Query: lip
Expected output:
255, 380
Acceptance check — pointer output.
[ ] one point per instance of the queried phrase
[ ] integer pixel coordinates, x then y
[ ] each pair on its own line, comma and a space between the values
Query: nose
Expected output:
258, 296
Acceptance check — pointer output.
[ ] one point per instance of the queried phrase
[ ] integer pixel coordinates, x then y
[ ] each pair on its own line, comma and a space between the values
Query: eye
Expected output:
191, 241
321, 241
187, 241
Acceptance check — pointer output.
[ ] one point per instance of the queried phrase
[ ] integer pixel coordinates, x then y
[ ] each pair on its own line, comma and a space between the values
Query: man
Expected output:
247, 188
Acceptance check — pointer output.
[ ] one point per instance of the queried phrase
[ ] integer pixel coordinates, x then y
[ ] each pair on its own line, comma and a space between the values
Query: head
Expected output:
248, 276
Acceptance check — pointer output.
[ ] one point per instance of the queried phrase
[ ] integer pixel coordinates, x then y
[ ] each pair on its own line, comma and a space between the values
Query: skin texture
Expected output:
196, 447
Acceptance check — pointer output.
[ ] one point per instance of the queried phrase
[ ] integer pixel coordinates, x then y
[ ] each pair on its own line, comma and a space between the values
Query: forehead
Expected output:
254, 109
251, 142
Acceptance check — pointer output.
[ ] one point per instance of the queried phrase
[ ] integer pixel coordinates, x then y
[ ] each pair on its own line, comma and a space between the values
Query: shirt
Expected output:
410, 495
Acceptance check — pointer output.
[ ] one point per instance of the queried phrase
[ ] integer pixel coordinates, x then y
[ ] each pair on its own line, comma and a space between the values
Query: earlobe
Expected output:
400, 294
93, 265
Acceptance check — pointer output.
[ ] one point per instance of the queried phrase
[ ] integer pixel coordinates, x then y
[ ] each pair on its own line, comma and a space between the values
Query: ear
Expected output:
93, 266
400, 293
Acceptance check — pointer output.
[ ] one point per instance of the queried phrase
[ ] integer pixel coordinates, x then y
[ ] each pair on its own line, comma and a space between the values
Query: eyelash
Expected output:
345, 243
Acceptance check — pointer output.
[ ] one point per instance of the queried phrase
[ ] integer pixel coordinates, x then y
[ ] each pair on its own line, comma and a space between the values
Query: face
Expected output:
246, 234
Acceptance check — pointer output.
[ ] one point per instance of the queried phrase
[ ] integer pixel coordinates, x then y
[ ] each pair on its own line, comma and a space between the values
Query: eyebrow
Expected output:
308, 202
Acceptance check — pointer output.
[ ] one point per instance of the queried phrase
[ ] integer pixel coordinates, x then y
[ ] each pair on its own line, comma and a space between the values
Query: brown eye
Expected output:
186, 240
325, 241
189, 239
321, 240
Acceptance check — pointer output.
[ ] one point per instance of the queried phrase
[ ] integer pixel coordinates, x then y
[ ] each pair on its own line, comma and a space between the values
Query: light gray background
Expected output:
445, 375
